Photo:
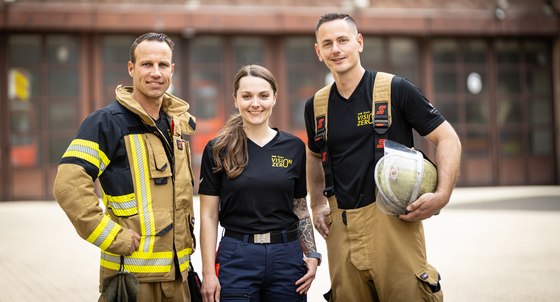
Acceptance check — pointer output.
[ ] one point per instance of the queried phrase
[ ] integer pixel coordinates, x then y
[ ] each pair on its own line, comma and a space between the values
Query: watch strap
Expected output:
316, 256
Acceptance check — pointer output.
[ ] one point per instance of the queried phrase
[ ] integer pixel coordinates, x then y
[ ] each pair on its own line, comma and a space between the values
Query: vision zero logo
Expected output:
364, 118
280, 161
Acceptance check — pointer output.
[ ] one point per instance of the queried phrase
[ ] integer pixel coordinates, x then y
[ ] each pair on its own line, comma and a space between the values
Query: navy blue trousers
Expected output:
260, 272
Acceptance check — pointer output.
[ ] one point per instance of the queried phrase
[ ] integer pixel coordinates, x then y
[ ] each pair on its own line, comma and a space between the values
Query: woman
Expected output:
252, 181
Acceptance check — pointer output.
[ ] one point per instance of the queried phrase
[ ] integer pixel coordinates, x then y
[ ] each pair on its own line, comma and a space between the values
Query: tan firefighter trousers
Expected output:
378, 257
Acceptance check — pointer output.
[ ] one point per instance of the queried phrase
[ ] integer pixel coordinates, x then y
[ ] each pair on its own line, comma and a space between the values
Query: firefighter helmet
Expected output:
402, 175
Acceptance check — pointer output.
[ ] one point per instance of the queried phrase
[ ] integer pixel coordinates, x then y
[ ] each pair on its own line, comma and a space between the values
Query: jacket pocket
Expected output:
161, 234
183, 175
159, 166
428, 281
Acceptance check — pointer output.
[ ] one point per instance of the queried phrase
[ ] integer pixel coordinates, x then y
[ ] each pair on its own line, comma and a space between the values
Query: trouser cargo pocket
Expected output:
428, 281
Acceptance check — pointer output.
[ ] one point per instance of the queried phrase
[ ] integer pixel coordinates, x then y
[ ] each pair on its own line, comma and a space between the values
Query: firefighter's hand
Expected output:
305, 281
135, 241
424, 207
210, 288
319, 213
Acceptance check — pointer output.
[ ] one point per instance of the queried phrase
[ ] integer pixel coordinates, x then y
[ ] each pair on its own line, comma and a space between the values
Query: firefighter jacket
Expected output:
120, 144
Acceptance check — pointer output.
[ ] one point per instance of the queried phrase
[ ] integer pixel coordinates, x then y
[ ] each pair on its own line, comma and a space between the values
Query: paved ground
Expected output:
490, 245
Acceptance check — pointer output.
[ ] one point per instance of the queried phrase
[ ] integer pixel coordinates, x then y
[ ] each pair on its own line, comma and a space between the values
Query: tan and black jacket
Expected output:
120, 144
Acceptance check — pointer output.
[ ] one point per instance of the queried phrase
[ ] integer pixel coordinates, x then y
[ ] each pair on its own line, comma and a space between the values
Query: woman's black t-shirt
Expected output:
261, 198
351, 135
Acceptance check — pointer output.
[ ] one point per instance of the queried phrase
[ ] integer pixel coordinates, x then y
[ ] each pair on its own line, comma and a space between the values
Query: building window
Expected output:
44, 103
538, 78
501, 107
115, 51
248, 50
44, 98
461, 90
208, 90
305, 75
24, 86
396, 55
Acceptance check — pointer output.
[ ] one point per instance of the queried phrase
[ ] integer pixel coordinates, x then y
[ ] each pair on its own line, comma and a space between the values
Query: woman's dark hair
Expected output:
230, 150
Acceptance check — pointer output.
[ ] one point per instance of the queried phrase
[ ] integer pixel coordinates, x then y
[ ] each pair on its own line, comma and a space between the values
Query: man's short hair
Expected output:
150, 37
336, 16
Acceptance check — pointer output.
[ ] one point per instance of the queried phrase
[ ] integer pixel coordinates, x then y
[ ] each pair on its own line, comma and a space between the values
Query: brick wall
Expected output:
393, 17
531, 5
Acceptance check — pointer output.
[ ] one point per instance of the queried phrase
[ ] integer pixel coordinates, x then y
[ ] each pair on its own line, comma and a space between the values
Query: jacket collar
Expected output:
173, 106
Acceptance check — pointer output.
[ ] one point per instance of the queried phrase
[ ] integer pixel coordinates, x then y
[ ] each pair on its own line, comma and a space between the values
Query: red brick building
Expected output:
491, 67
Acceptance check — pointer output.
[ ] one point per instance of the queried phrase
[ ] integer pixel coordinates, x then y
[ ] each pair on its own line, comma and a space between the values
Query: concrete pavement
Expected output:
489, 244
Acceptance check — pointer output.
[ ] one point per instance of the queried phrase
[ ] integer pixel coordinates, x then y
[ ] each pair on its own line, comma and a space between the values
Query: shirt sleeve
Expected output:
310, 125
210, 181
301, 183
419, 112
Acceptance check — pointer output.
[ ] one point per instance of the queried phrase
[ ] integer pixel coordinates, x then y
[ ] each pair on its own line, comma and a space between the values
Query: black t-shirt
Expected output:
261, 198
162, 124
350, 140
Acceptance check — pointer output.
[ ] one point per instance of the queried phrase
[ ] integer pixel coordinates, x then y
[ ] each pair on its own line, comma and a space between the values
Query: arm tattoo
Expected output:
305, 227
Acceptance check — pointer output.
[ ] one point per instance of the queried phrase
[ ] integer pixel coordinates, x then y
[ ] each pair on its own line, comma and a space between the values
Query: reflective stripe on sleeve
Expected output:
88, 151
184, 258
104, 233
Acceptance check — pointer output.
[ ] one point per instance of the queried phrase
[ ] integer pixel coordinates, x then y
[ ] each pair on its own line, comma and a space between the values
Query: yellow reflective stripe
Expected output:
139, 262
88, 151
123, 205
143, 192
104, 233
184, 258
103, 194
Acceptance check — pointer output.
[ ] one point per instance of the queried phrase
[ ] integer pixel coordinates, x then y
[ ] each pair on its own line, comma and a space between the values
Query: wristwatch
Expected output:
316, 256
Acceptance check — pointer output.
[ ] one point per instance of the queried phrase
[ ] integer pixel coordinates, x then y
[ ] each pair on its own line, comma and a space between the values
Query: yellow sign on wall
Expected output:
19, 84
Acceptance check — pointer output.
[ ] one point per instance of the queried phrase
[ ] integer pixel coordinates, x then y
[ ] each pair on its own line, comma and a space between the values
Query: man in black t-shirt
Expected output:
372, 256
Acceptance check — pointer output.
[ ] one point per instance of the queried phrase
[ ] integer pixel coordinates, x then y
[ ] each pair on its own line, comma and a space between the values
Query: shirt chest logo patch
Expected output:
364, 118
280, 161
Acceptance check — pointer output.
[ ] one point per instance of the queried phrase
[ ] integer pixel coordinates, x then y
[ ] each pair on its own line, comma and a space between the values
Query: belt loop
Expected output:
285, 237
245, 239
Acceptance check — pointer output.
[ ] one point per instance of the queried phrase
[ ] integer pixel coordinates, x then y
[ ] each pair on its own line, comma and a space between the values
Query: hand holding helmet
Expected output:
402, 175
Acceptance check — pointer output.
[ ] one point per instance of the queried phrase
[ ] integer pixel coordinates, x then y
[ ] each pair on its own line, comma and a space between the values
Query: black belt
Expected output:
360, 205
365, 203
272, 237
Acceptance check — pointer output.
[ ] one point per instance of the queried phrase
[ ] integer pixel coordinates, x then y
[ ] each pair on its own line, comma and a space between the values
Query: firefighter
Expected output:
372, 256
135, 148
